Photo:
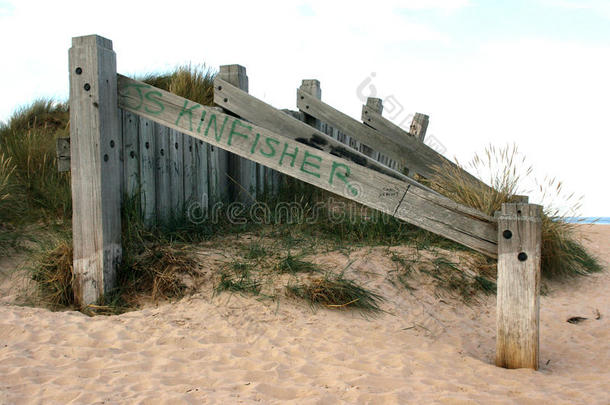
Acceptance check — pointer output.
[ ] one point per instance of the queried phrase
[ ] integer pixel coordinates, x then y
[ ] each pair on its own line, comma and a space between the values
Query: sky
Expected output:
530, 73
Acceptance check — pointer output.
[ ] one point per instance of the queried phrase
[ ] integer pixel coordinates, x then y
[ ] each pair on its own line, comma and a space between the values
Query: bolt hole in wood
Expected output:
507, 234
132, 154
518, 212
176, 145
162, 152
522, 256
219, 87
147, 144
87, 87
79, 70
112, 144
225, 100
105, 158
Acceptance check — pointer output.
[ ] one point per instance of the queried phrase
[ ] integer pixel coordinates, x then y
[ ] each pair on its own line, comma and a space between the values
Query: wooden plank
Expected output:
176, 173
131, 153
306, 163
376, 104
418, 157
419, 126
201, 175
96, 167
313, 88
188, 162
518, 308
407, 151
243, 171
262, 114
147, 170
162, 183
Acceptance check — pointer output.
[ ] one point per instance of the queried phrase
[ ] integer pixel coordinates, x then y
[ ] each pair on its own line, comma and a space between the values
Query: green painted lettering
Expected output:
155, 98
217, 135
188, 111
201, 120
269, 142
255, 142
292, 155
341, 176
309, 163
140, 97
237, 122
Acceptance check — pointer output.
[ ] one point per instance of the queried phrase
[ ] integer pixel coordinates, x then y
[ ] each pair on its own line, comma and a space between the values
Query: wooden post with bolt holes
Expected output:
375, 104
313, 88
96, 167
243, 171
419, 126
518, 307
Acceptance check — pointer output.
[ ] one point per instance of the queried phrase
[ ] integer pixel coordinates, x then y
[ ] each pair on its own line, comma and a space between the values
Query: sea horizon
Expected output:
588, 220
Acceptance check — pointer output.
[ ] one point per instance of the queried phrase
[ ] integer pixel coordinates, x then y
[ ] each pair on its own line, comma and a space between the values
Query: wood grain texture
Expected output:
162, 173
96, 167
147, 170
419, 126
518, 308
282, 121
244, 172
63, 154
176, 173
309, 164
131, 153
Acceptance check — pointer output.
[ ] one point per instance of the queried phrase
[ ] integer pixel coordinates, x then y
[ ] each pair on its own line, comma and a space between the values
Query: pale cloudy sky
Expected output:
530, 72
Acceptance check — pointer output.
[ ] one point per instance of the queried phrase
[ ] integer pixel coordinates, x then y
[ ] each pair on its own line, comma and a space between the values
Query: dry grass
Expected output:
562, 251
193, 82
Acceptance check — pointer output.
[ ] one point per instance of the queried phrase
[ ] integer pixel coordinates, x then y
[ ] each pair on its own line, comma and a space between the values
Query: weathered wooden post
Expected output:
96, 166
375, 104
243, 171
419, 126
518, 307
312, 87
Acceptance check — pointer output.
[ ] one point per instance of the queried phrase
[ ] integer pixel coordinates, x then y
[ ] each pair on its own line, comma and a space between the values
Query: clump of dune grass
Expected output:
54, 274
236, 277
193, 82
563, 253
336, 292
28, 139
293, 265
8, 199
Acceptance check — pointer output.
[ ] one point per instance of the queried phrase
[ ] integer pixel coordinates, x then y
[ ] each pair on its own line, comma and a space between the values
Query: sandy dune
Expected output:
232, 349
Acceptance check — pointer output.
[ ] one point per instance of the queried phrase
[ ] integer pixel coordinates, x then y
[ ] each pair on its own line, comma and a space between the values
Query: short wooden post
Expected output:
375, 104
243, 171
518, 307
419, 126
96, 167
312, 86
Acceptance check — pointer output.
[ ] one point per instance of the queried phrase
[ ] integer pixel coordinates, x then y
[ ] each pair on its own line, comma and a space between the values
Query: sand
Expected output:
232, 349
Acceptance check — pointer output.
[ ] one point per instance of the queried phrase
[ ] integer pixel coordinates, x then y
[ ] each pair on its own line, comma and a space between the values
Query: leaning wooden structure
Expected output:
130, 138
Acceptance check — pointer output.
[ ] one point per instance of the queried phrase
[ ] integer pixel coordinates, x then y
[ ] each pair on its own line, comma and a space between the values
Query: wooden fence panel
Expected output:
147, 170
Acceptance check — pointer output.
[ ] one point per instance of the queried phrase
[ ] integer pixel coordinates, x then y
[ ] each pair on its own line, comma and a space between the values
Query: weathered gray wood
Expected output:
162, 173
407, 151
419, 126
518, 308
215, 171
243, 171
264, 115
188, 159
333, 173
313, 88
201, 175
131, 152
147, 170
96, 167
63, 154
176, 174
375, 104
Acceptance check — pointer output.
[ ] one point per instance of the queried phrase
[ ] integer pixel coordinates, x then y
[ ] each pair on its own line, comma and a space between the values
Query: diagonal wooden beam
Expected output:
309, 164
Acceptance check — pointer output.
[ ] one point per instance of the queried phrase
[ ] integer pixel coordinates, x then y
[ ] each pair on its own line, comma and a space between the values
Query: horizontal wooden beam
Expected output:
307, 163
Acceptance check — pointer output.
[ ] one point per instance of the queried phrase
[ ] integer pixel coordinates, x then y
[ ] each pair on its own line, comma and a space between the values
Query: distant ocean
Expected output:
588, 220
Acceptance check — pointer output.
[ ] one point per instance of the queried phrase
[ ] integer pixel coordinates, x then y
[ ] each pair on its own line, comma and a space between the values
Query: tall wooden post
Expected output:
419, 126
96, 166
243, 171
518, 308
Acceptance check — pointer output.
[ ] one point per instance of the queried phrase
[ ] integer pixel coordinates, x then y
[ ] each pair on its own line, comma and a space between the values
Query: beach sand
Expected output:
231, 349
